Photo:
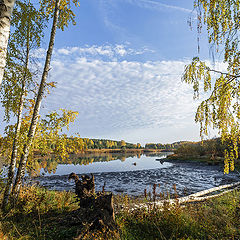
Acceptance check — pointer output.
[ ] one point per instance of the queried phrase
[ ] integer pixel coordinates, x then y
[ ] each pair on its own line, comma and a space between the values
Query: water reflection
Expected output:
188, 177
97, 162
129, 173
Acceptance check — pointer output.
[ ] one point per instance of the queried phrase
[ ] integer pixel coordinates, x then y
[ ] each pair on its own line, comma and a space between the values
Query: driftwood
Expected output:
196, 197
95, 208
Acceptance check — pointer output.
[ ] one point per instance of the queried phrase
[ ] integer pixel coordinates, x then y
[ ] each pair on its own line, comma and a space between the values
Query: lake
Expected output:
131, 173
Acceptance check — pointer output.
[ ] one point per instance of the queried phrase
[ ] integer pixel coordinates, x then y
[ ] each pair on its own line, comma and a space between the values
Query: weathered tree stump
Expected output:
84, 188
97, 209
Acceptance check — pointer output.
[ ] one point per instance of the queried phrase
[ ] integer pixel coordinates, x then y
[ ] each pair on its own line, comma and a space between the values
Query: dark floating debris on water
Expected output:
161, 160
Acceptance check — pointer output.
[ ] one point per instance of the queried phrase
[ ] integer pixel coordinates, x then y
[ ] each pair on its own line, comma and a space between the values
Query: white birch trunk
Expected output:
32, 129
11, 169
6, 7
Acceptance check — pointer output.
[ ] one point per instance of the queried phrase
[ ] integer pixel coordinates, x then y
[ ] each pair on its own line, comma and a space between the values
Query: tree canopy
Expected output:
29, 23
221, 109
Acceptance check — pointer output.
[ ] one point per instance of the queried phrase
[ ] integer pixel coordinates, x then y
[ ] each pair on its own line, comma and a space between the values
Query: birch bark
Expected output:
11, 169
31, 132
6, 8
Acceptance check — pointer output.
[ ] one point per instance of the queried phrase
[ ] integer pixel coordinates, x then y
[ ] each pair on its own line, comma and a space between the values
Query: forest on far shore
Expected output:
88, 143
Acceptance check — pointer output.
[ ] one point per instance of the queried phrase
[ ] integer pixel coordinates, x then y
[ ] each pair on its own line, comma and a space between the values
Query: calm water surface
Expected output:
128, 173
124, 164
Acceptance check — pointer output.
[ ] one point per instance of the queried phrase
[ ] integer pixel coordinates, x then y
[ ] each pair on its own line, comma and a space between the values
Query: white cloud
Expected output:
113, 96
123, 98
116, 96
156, 6
64, 51
109, 51
113, 52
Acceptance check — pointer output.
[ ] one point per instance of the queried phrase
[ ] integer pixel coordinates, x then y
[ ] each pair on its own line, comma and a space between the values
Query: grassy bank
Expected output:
205, 159
43, 214
209, 151
197, 158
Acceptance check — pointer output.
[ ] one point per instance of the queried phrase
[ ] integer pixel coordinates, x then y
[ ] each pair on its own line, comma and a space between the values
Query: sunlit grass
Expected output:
215, 219
43, 214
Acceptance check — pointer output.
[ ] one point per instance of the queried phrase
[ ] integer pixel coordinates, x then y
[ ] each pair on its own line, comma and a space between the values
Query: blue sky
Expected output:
120, 67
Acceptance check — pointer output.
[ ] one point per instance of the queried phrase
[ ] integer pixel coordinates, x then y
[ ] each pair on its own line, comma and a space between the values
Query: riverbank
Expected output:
208, 159
196, 158
43, 214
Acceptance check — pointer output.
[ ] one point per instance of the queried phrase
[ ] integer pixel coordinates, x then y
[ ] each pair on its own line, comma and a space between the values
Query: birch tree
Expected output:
28, 30
62, 21
6, 8
31, 132
221, 109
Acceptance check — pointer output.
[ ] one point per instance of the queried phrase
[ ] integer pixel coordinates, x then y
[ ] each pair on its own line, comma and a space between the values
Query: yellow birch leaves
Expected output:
221, 109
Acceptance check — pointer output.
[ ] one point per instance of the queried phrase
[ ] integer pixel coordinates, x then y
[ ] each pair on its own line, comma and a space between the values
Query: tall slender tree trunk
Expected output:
11, 169
6, 8
32, 129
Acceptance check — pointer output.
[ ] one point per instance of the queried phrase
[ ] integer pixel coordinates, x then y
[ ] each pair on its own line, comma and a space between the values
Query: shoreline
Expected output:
127, 150
206, 159
195, 158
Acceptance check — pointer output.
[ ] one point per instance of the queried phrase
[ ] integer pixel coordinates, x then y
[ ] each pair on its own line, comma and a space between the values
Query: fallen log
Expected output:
205, 192
196, 197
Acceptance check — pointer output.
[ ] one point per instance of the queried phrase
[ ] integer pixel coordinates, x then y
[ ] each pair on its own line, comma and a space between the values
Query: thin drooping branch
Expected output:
32, 128
224, 73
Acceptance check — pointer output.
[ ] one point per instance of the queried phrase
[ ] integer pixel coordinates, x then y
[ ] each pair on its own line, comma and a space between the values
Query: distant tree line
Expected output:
168, 146
82, 144
87, 143
109, 144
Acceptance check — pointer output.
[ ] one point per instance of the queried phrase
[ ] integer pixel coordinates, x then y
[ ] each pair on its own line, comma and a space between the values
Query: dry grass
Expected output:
41, 214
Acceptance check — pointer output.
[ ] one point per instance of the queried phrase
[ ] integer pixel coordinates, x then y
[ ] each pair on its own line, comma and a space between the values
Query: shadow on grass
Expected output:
51, 225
